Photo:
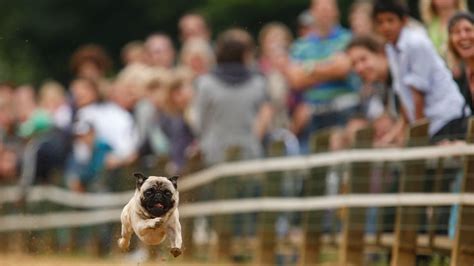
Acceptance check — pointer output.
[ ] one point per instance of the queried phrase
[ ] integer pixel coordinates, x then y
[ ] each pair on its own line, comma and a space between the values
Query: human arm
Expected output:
299, 77
264, 117
395, 135
419, 103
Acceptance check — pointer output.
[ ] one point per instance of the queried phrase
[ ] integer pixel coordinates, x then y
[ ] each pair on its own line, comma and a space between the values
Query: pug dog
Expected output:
152, 213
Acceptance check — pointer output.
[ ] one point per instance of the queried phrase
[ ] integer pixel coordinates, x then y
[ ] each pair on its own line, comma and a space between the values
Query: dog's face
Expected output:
157, 194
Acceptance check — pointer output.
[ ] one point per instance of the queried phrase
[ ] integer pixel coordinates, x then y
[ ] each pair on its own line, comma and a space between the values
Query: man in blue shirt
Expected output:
322, 73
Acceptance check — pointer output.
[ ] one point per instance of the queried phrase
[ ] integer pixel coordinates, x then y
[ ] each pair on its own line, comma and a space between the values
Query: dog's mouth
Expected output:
159, 206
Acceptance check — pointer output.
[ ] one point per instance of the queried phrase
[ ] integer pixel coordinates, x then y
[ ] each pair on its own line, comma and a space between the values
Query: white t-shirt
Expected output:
414, 62
114, 125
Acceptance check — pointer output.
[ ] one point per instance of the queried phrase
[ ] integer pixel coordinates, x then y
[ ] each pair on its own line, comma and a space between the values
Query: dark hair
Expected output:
232, 45
91, 53
368, 42
396, 7
462, 15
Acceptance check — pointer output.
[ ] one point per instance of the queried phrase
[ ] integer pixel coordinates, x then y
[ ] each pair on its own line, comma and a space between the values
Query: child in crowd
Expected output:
420, 77
87, 159
359, 17
173, 121
52, 99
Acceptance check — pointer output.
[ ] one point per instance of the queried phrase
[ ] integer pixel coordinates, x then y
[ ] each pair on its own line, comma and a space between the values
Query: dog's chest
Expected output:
151, 236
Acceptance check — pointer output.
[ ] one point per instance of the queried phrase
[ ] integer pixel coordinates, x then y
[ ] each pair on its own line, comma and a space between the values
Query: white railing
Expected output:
106, 206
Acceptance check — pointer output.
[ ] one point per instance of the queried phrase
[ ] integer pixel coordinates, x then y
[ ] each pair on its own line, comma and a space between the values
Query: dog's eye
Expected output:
168, 193
148, 193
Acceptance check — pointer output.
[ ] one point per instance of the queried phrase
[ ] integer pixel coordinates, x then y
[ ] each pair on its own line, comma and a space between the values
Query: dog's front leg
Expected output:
173, 232
127, 231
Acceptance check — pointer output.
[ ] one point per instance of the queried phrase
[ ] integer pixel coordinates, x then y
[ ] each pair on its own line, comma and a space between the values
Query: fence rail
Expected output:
418, 166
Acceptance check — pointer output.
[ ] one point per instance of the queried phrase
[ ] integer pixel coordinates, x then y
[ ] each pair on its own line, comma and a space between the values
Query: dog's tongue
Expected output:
159, 205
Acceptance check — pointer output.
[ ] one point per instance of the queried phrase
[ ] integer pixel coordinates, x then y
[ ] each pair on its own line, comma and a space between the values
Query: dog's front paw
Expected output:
176, 252
123, 244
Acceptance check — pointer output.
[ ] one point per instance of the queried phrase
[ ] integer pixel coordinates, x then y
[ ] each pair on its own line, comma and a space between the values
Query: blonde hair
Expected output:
136, 76
51, 92
200, 47
428, 12
275, 26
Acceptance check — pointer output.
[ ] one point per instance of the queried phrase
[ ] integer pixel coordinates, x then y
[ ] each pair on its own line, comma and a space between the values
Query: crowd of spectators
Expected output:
388, 70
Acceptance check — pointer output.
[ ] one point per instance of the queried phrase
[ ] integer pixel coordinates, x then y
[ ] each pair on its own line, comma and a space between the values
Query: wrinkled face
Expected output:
461, 38
157, 194
366, 64
389, 26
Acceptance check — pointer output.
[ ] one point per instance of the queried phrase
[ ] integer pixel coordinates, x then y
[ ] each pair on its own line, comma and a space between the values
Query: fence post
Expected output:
223, 223
463, 248
193, 164
267, 220
407, 218
351, 249
314, 186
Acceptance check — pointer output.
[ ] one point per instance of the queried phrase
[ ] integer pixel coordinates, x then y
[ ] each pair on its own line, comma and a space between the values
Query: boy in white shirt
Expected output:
421, 79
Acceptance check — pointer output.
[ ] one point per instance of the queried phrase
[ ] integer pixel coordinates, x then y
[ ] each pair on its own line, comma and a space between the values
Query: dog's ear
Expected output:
140, 179
174, 181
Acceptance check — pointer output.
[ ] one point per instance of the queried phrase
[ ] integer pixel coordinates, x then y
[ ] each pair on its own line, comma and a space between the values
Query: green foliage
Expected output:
38, 37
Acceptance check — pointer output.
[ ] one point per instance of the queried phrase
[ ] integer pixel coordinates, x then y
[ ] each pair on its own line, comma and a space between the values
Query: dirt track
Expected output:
58, 260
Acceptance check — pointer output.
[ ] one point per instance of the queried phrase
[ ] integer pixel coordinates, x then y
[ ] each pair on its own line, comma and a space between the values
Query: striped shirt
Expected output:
310, 50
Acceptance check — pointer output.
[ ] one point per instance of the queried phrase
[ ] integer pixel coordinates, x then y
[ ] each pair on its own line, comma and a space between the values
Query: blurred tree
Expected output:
38, 37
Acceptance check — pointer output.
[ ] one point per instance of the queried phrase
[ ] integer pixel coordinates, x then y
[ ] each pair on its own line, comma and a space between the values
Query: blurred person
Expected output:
306, 23
274, 40
91, 61
46, 146
6, 92
84, 92
134, 79
7, 113
422, 81
114, 123
8, 165
371, 65
360, 19
152, 140
24, 102
461, 45
198, 56
233, 112
87, 160
193, 25
232, 100
172, 120
133, 53
160, 50
52, 98
319, 71
435, 15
